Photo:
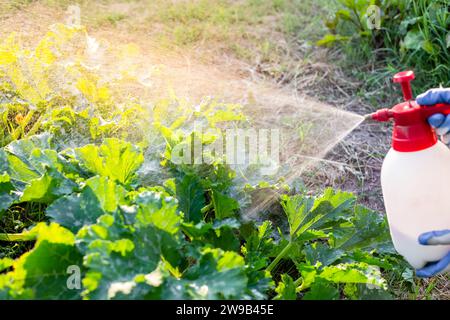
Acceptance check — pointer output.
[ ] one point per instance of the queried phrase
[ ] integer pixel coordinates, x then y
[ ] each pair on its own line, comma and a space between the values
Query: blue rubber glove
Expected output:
440, 122
431, 239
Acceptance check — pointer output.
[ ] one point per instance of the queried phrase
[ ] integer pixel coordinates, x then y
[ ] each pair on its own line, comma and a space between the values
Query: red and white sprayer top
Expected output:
411, 129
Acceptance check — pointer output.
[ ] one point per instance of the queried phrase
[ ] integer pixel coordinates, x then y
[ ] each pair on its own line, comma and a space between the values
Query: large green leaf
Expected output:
23, 148
220, 233
320, 252
305, 213
42, 159
44, 269
353, 273
191, 197
114, 159
21, 172
115, 254
224, 206
413, 40
364, 232
369, 230
3, 162
322, 289
286, 289
258, 248
109, 194
76, 210
5, 263
358, 291
28, 161
259, 245
48, 187
217, 275
342, 273
158, 209
7, 193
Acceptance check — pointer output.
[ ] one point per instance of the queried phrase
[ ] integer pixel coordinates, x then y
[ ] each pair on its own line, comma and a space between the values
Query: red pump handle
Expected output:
428, 111
411, 129
405, 78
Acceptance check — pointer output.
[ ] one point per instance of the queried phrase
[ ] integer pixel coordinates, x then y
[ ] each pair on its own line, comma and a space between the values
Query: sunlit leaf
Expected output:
115, 159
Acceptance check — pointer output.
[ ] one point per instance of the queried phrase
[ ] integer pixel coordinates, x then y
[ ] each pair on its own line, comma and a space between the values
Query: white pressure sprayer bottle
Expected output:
415, 177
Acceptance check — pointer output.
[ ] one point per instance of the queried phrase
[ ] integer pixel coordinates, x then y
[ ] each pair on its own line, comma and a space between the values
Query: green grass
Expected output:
413, 35
8, 6
192, 22
256, 31
114, 18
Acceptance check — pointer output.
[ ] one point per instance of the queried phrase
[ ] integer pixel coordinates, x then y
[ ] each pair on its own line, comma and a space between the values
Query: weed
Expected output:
412, 34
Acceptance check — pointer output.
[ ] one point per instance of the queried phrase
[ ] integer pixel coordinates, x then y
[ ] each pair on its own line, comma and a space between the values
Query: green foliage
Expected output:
411, 34
114, 159
137, 225
191, 197
286, 289
325, 233
47, 89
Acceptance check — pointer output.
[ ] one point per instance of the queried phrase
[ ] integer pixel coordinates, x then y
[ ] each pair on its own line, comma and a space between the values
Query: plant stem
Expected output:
17, 237
206, 208
279, 257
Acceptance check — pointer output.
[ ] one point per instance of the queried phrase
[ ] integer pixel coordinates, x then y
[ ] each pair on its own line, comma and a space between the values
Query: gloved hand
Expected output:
439, 121
434, 238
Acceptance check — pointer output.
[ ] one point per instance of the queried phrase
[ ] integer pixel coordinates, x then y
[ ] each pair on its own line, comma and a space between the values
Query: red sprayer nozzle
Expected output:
411, 129
405, 78
381, 115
